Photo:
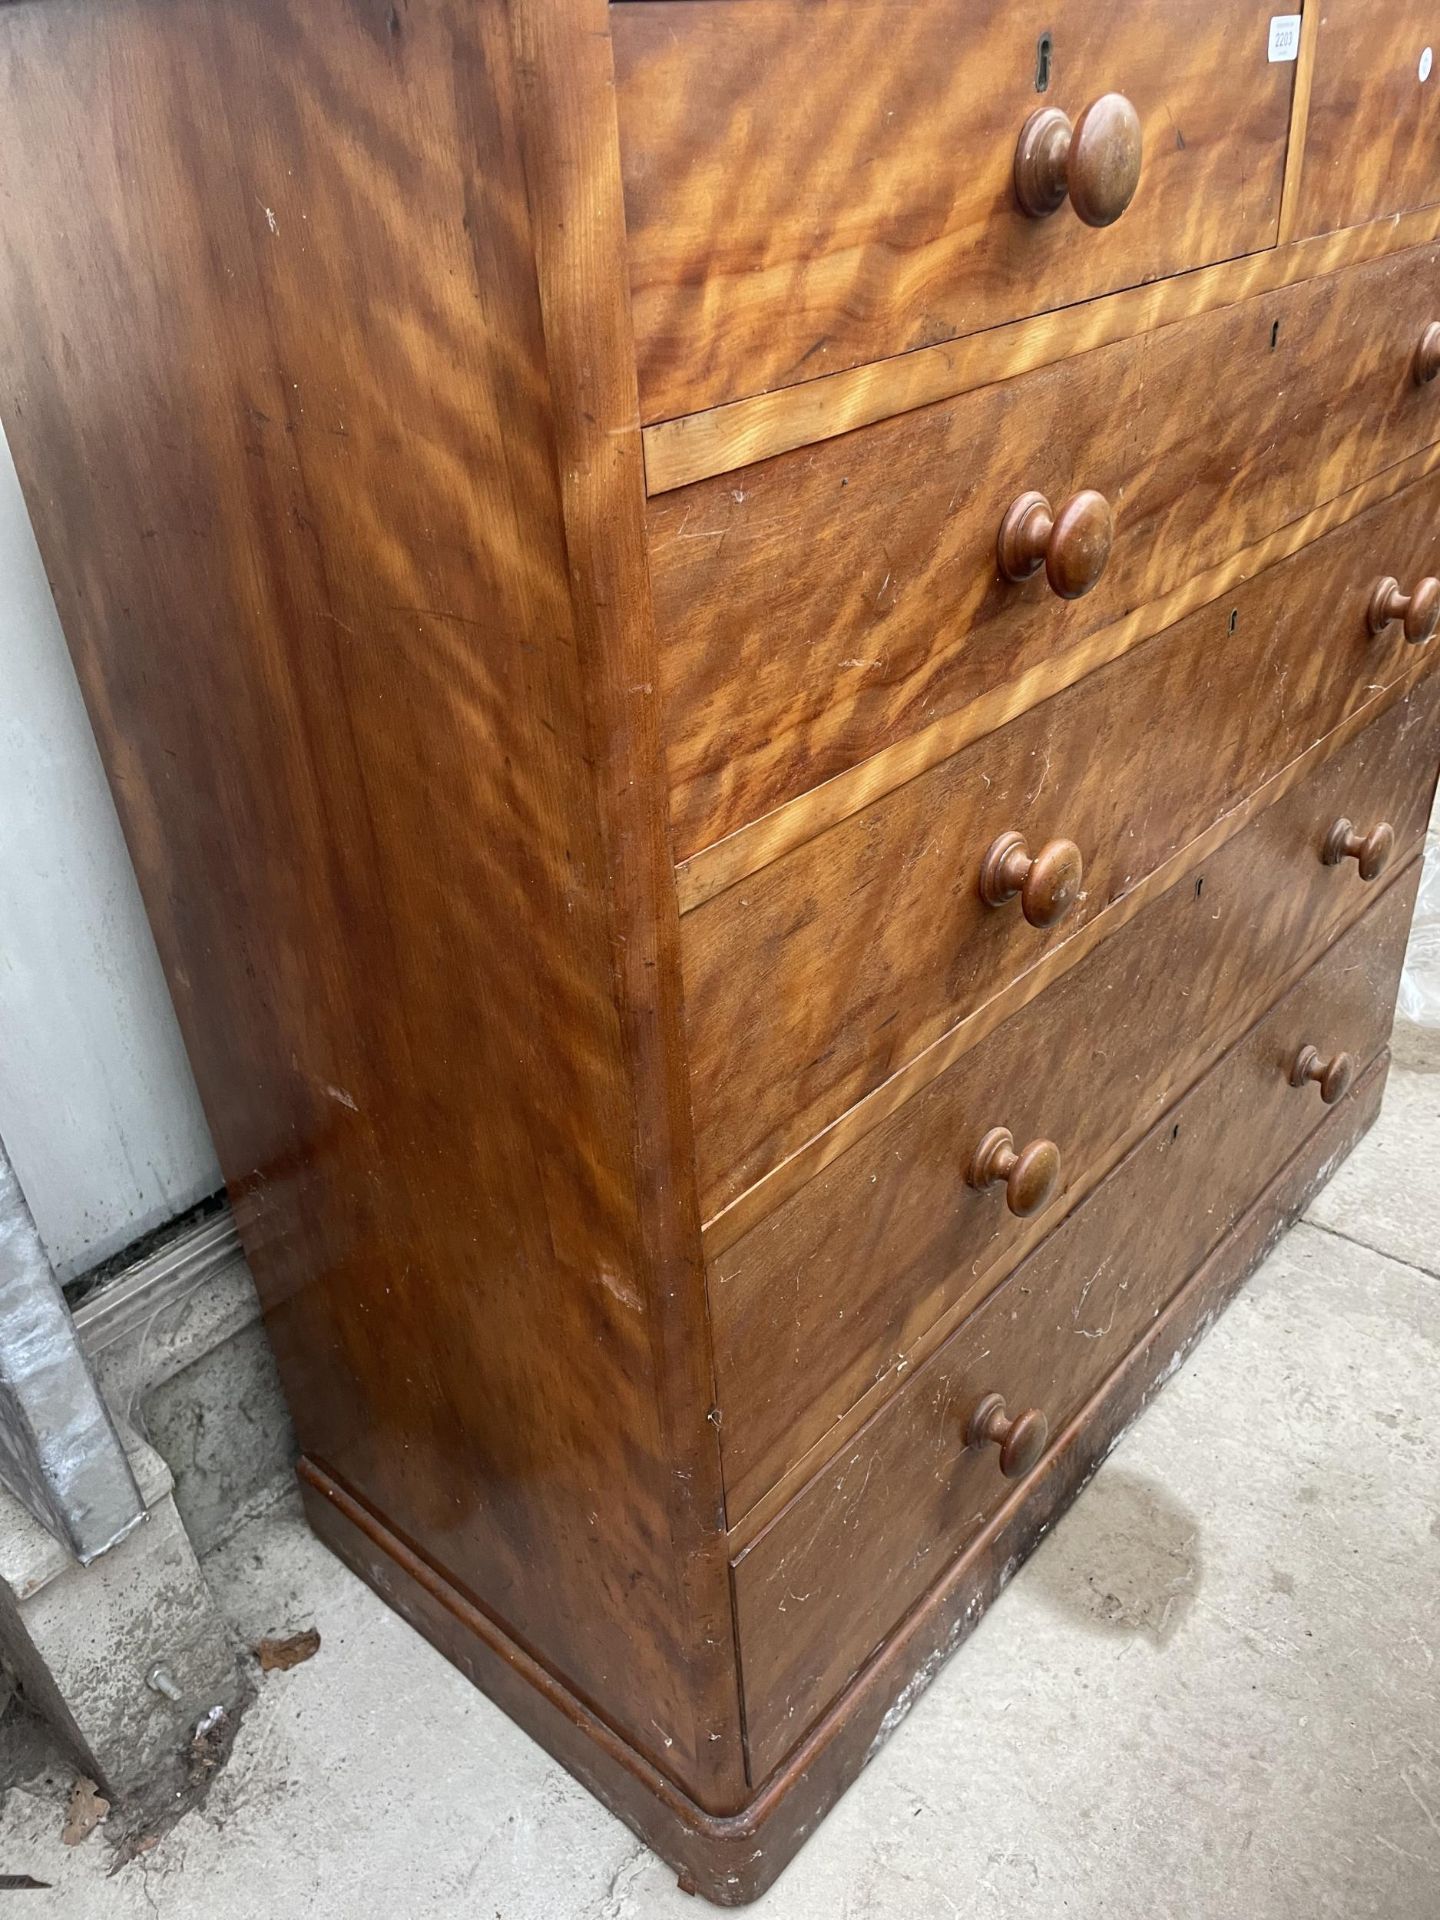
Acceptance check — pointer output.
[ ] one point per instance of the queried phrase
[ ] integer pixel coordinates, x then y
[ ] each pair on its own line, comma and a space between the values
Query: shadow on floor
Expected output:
1128, 1560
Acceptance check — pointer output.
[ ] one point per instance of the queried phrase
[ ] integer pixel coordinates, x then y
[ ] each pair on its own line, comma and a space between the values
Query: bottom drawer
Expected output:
818, 1590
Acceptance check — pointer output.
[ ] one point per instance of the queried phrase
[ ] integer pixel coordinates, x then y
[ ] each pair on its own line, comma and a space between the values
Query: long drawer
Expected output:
829, 1292
821, 606
821, 1587
814, 183
810, 982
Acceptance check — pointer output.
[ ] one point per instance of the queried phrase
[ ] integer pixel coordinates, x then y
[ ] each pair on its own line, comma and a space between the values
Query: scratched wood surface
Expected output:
751, 848
817, 609
315, 422
814, 980
834, 1287
1374, 120
732, 1860
810, 184
318, 365
822, 1149
822, 1587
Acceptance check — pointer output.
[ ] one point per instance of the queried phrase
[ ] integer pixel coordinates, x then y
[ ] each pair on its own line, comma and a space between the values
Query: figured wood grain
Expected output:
328, 428
826, 1299
747, 850
819, 1590
317, 363
755, 1203
1373, 122
810, 983
814, 183
732, 1859
564, 72
817, 610
1299, 121
741, 432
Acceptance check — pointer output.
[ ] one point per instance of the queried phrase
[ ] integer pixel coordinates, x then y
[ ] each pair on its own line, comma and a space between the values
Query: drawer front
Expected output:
819, 1590
816, 608
1374, 123
816, 1303
809, 983
810, 184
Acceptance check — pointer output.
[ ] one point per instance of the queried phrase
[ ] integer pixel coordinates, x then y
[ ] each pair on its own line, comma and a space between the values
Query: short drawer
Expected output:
824, 1297
1374, 120
820, 607
810, 184
809, 983
823, 1585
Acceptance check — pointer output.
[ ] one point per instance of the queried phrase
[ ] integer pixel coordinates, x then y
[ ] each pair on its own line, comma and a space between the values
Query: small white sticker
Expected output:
1284, 36
1427, 62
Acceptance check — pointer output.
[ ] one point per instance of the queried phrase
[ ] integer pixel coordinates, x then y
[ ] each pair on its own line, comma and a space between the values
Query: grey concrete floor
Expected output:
1213, 1693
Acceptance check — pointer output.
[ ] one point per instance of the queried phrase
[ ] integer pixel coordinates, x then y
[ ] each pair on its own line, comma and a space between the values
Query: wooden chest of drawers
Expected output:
768, 663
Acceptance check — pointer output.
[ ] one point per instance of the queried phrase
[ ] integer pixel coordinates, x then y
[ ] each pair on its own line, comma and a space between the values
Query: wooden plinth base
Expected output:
734, 1859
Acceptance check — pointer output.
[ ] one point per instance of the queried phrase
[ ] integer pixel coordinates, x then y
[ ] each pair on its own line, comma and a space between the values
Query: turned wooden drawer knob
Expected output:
1333, 1077
1072, 545
1031, 1175
1021, 1441
1420, 610
1048, 885
1427, 354
1095, 162
1345, 841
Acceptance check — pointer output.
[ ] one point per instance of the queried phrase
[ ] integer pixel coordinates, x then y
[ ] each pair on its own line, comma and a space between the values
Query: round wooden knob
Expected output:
1021, 1441
1031, 1175
1048, 886
1095, 162
1427, 355
1072, 545
1333, 1077
1420, 610
1345, 841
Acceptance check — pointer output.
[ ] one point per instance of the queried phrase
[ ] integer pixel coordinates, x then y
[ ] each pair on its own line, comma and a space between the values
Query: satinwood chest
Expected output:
768, 664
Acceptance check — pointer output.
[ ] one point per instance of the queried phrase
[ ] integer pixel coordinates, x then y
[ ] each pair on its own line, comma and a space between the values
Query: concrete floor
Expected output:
1213, 1693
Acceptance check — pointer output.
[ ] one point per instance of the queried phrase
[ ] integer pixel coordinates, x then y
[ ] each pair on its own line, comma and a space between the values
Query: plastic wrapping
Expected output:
1420, 982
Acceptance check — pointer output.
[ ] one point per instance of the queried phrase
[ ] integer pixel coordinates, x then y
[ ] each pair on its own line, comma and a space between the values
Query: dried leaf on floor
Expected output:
278, 1656
85, 1811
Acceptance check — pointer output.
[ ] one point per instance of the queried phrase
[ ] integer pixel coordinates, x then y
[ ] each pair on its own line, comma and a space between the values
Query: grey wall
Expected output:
97, 1107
